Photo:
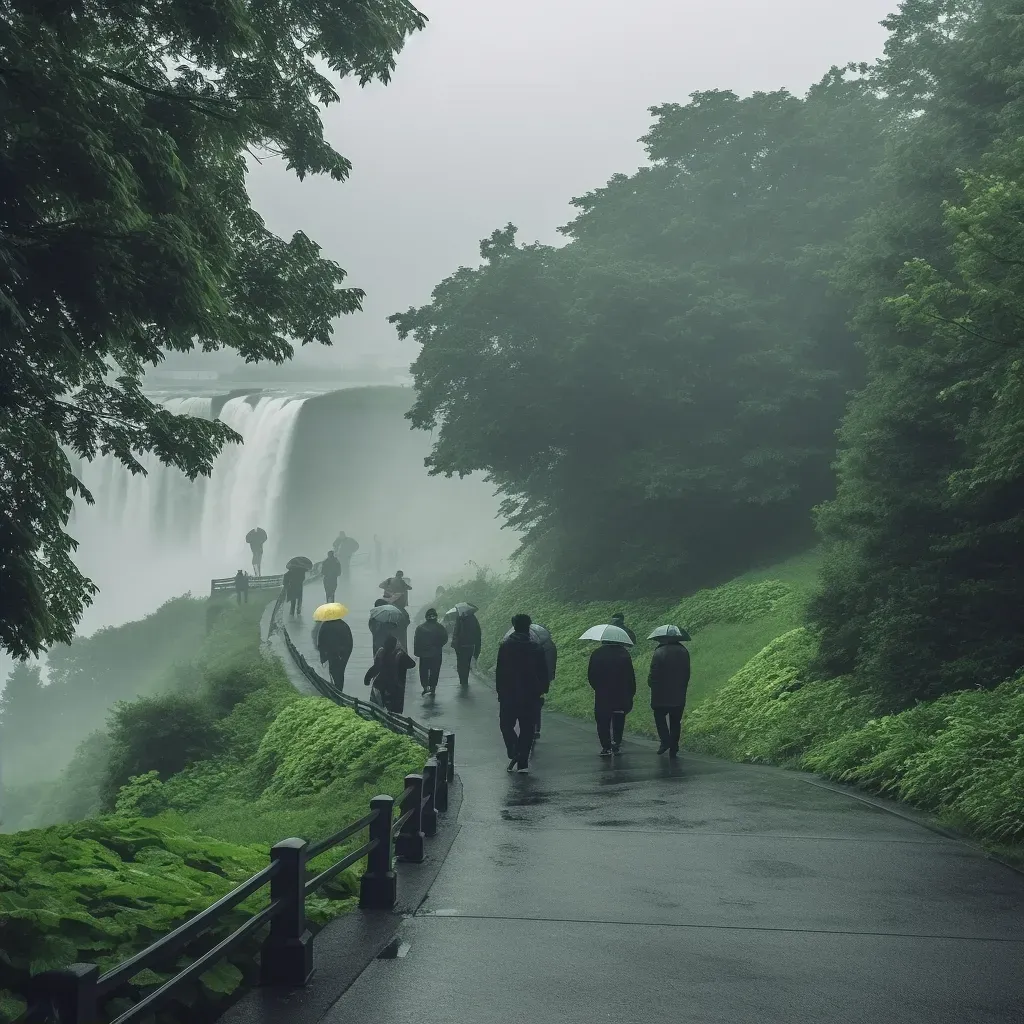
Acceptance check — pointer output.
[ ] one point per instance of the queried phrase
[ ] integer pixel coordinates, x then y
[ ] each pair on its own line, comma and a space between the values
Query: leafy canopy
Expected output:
126, 232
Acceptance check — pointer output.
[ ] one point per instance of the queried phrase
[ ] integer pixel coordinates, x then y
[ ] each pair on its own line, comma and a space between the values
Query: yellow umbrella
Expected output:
330, 612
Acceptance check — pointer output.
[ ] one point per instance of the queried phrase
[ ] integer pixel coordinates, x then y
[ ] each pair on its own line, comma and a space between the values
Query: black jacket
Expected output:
331, 569
334, 640
429, 639
669, 676
521, 674
294, 580
612, 679
387, 673
466, 635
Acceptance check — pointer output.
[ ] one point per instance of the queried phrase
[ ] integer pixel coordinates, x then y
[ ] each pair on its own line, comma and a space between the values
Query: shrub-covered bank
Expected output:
755, 696
193, 786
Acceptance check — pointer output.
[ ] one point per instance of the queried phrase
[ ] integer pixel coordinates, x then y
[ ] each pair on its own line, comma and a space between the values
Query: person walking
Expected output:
334, 644
241, 586
428, 645
520, 677
619, 619
466, 640
551, 660
344, 548
330, 571
396, 589
256, 538
387, 674
294, 580
668, 679
610, 674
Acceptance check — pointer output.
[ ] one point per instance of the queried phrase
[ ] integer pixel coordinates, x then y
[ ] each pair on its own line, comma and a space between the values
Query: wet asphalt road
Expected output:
640, 890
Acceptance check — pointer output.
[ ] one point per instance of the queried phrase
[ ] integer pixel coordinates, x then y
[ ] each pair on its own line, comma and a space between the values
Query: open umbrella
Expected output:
300, 562
462, 608
677, 632
256, 536
330, 612
388, 614
609, 634
538, 633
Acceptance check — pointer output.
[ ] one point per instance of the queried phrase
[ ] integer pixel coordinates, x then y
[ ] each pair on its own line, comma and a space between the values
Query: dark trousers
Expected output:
296, 603
669, 722
430, 672
336, 665
243, 595
517, 744
463, 663
536, 721
610, 725
330, 589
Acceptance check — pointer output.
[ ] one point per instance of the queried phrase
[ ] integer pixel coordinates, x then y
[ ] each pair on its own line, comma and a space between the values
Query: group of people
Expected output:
524, 673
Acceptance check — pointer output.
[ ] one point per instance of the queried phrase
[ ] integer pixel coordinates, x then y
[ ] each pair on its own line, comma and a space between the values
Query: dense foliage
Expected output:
657, 399
922, 582
127, 231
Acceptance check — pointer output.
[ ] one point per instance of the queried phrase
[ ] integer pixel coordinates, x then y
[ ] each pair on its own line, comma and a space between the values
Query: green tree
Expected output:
126, 231
657, 400
921, 583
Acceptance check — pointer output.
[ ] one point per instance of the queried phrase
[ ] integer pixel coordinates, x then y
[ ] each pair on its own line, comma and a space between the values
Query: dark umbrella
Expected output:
538, 633
300, 562
387, 614
257, 536
670, 632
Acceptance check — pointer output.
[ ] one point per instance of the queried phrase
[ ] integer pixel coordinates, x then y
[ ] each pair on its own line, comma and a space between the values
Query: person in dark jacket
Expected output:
613, 681
551, 659
668, 680
344, 548
294, 580
387, 674
619, 619
396, 589
520, 677
466, 641
242, 586
428, 645
334, 642
331, 571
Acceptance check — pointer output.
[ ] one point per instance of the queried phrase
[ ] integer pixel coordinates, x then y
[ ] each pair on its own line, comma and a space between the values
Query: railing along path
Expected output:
76, 994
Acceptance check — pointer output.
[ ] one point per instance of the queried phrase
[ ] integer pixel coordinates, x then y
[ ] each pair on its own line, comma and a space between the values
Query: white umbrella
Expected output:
461, 609
670, 630
387, 614
609, 633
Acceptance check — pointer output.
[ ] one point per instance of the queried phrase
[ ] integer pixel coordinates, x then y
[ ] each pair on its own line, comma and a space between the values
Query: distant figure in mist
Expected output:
242, 586
396, 589
330, 571
428, 645
520, 678
256, 538
619, 619
378, 553
294, 580
334, 643
668, 679
344, 548
387, 674
611, 677
466, 640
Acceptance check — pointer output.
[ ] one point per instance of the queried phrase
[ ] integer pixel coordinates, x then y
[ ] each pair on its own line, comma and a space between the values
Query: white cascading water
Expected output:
153, 537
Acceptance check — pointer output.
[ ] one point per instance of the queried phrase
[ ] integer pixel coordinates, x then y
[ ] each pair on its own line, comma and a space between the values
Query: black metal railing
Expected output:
76, 994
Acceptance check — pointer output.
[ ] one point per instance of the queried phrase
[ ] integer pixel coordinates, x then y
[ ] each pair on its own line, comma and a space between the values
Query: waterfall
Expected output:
154, 536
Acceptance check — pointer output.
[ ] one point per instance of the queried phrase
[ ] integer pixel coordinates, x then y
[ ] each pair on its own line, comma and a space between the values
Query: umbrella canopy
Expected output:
538, 633
675, 632
387, 614
330, 612
608, 634
256, 536
300, 562
462, 608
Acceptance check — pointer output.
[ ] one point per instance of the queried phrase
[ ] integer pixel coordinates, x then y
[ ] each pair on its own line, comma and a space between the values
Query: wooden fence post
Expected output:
409, 842
429, 793
449, 742
378, 888
435, 737
441, 794
70, 994
286, 960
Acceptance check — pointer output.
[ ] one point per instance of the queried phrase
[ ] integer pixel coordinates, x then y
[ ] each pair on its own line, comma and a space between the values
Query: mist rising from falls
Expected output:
151, 537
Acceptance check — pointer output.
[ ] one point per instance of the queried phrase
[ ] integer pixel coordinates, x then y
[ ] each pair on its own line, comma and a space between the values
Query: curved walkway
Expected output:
640, 890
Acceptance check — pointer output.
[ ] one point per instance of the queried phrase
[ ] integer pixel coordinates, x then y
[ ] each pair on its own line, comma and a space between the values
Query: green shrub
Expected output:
162, 734
142, 796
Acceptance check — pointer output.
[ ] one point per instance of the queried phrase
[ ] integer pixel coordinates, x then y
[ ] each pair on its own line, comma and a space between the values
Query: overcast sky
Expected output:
504, 111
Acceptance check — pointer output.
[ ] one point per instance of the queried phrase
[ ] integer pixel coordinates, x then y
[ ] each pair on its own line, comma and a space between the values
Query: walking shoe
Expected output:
424, 693
523, 769
605, 752
663, 748
674, 753
512, 764
615, 748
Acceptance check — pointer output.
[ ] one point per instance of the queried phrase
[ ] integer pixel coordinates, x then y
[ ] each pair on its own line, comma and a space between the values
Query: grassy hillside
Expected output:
192, 786
729, 625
